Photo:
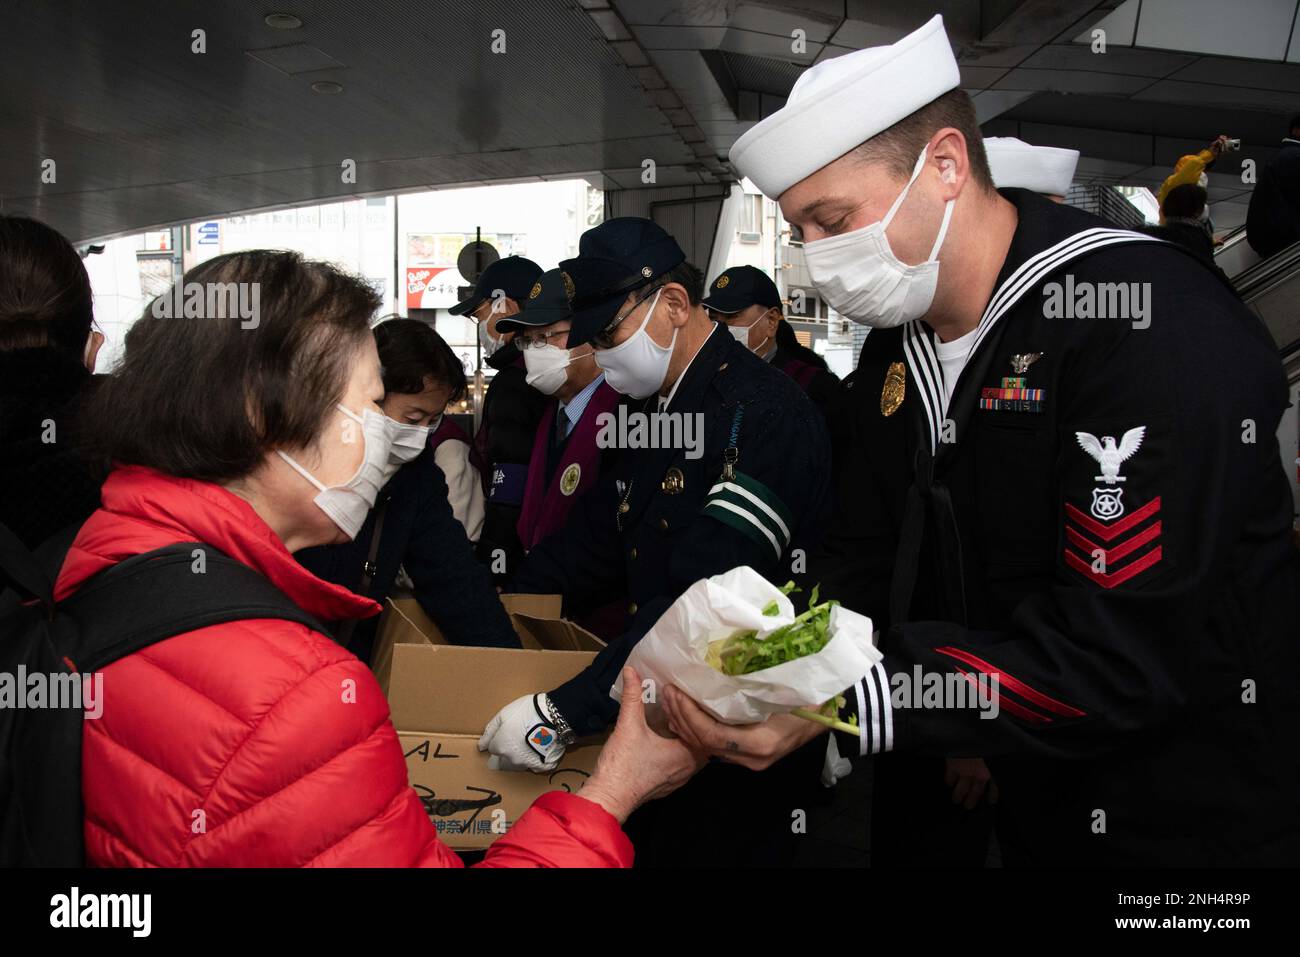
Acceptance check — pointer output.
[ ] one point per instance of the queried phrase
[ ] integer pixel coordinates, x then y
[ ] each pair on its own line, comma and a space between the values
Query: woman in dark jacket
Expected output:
47, 354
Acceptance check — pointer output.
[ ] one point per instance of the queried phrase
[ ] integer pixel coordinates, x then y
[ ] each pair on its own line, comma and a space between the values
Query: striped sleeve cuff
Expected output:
868, 700
753, 509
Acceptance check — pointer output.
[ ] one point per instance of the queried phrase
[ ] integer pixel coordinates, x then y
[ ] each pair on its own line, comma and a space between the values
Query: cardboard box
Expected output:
443, 695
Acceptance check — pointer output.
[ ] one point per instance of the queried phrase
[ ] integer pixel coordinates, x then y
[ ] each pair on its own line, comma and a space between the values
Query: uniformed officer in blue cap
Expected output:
753, 490
747, 302
511, 408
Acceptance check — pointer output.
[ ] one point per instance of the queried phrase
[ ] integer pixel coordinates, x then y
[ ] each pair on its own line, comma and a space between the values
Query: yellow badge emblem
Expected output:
891, 396
535, 291
722, 282
569, 480
674, 482
569, 291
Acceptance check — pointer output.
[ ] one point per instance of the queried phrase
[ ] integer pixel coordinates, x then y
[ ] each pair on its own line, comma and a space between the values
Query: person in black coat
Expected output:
47, 352
511, 409
1273, 219
412, 517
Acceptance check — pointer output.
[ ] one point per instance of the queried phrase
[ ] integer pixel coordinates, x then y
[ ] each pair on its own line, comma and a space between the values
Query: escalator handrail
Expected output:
1266, 273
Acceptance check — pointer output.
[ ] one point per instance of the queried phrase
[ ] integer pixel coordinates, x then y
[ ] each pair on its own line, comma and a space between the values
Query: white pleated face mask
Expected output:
547, 367
638, 365
858, 274
405, 442
348, 504
741, 335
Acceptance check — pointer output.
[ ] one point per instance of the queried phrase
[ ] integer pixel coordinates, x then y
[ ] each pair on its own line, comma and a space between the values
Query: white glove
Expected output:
522, 737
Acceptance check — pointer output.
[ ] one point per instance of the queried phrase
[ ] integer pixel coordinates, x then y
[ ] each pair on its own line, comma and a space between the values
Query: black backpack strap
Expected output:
21, 567
167, 592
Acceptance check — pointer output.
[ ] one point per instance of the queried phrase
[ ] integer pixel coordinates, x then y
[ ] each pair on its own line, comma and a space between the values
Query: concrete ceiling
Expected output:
143, 131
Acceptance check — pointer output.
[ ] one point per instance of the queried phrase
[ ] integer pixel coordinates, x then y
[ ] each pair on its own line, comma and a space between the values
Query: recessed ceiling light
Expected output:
283, 21
326, 86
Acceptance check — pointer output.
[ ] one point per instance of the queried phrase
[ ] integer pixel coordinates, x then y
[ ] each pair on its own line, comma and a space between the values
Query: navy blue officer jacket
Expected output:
1105, 528
662, 521
421, 533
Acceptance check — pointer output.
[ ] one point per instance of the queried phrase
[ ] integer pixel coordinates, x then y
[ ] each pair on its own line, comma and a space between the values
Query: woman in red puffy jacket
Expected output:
256, 430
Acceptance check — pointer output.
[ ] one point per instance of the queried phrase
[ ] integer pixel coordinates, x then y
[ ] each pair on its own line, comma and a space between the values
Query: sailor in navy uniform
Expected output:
750, 489
1085, 503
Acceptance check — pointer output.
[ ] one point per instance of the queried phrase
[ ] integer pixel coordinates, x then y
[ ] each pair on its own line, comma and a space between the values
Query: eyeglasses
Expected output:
539, 340
605, 338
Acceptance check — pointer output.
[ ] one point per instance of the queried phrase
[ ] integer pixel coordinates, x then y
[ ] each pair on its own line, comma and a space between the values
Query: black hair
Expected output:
785, 339
45, 296
411, 351
1186, 201
208, 395
687, 275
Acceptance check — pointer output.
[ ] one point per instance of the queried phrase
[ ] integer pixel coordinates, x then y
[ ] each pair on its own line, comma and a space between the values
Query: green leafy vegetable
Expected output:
744, 652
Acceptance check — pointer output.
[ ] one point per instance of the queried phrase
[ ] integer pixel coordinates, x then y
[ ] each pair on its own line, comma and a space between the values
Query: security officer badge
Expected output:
570, 478
894, 389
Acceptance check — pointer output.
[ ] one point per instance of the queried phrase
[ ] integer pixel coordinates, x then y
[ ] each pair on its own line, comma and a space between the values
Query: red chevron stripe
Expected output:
1111, 555
1012, 683
1012, 707
1111, 579
1107, 532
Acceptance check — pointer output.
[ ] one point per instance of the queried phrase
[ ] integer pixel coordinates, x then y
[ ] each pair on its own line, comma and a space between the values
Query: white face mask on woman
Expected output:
858, 274
638, 365
547, 367
348, 504
406, 441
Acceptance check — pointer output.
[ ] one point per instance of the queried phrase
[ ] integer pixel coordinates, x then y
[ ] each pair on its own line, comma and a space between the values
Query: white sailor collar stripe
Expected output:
918, 338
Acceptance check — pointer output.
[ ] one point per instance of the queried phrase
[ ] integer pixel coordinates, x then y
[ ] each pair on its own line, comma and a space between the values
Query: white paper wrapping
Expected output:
673, 651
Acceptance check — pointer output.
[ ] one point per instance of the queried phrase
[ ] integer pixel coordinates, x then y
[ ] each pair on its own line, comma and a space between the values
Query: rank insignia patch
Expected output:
1103, 543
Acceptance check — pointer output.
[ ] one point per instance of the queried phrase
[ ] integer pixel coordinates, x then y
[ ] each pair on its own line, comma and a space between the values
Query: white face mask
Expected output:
858, 274
741, 334
547, 367
489, 342
638, 365
405, 442
348, 504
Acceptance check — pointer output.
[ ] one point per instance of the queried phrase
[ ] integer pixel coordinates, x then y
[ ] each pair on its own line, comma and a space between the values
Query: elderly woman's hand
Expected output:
637, 765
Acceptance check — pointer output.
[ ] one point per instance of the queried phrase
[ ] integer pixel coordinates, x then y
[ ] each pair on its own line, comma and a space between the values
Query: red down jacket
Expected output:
244, 722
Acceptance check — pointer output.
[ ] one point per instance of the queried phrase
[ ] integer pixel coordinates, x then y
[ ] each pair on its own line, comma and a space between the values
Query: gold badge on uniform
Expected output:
891, 396
722, 282
535, 291
569, 480
674, 482
569, 291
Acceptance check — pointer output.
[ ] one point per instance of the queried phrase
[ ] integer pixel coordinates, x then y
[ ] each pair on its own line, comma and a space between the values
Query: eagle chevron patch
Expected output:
751, 508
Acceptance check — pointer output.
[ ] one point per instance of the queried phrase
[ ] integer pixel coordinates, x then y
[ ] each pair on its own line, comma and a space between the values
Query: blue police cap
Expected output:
740, 287
547, 303
513, 275
614, 259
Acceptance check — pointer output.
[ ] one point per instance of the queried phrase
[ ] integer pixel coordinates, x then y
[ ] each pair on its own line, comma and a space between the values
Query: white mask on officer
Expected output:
348, 504
858, 274
638, 365
741, 335
547, 367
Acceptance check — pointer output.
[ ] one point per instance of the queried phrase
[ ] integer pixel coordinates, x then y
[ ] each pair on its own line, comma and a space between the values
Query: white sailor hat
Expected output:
1042, 169
841, 103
